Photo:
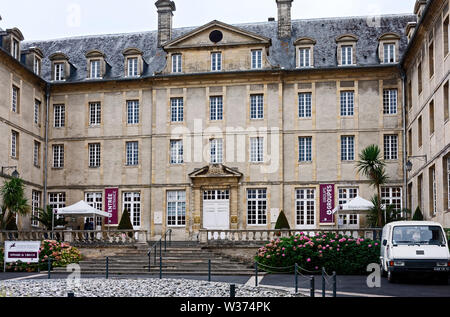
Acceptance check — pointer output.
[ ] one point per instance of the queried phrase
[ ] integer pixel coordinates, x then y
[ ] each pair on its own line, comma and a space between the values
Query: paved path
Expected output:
347, 286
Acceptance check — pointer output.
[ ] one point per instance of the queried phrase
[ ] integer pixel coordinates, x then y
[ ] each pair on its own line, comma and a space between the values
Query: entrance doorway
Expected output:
216, 209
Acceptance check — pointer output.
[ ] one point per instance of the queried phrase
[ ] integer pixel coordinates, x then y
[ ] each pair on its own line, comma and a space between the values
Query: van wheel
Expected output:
442, 279
392, 277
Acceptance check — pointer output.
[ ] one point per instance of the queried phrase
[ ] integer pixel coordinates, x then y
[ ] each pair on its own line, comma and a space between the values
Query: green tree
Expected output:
45, 218
125, 222
418, 216
372, 166
14, 202
282, 222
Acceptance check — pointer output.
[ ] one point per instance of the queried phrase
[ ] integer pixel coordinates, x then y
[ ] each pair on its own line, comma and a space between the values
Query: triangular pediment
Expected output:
215, 170
224, 35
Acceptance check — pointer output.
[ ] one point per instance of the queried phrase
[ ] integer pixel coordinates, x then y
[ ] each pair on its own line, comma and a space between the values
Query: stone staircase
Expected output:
180, 258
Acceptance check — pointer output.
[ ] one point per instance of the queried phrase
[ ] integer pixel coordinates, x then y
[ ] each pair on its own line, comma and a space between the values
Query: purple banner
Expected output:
111, 200
326, 203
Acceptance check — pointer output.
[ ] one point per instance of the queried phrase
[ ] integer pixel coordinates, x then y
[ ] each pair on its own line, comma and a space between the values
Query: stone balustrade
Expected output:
263, 236
79, 237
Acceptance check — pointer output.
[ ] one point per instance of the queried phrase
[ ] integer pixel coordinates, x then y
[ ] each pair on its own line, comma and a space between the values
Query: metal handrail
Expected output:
159, 242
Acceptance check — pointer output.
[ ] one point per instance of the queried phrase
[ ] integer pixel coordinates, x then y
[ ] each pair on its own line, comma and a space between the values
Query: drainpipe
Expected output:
405, 150
47, 97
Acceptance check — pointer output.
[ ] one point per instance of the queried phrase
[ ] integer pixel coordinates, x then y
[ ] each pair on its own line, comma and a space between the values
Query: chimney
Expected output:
284, 18
165, 14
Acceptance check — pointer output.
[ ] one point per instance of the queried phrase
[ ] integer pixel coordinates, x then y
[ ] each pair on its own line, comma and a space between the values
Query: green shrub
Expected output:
418, 216
125, 222
62, 254
282, 222
342, 254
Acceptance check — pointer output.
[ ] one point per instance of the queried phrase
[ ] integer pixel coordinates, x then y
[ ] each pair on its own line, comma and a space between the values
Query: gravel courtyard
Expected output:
129, 288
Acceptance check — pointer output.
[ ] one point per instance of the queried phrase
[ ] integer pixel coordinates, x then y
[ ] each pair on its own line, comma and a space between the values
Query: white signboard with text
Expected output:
24, 251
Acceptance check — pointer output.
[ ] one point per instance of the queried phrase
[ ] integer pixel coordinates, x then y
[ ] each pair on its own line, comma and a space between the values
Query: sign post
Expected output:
24, 251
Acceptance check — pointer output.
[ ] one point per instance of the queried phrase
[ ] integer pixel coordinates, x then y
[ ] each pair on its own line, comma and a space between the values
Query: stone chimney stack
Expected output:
165, 14
284, 18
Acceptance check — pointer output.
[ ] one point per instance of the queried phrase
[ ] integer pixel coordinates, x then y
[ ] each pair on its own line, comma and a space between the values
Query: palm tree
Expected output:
372, 166
45, 218
14, 202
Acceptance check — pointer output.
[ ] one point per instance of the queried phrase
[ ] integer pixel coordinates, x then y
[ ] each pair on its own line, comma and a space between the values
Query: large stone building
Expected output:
215, 127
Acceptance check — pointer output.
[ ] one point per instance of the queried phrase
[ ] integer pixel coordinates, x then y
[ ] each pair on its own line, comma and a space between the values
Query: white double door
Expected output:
216, 209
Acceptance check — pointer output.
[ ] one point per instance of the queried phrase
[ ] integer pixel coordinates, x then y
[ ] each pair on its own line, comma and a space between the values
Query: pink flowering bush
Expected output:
61, 253
342, 254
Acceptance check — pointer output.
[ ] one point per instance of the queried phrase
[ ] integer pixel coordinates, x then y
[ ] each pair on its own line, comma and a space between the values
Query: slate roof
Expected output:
282, 52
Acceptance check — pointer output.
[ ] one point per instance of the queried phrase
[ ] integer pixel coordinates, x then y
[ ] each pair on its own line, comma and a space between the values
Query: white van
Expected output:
416, 247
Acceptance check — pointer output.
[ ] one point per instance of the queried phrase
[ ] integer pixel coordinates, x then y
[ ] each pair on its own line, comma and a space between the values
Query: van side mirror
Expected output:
384, 242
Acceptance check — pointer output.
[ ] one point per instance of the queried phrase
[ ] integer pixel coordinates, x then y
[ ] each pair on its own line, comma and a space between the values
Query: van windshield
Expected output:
431, 235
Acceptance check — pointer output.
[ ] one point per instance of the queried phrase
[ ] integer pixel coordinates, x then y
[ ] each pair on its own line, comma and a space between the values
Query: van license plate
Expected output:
441, 269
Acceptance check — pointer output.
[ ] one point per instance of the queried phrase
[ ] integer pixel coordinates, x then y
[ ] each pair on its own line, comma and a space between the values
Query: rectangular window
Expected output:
390, 101
433, 191
176, 208
57, 200
216, 108
446, 103
37, 66
58, 156
132, 67
347, 55
304, 105
257, 107
216, 151
132, 203
305, 149
176, 152
95, 200
15, 49
431, 59
257, 59
35, 205
14, 144
256, 206
95, 69
347, 103
420, 140
95, 113
431, 117
177, 109
59, 116
15, 99
59, 71
133, 112
132, 153
389, 53
37, 154
347, 194
304, 57
420, 191
177, 63
257, 150
94, 155
305, 206
391, 147
448, 182
216, 61
37, 112
410, 145
392, 196
419, 78
347, 148
409, 92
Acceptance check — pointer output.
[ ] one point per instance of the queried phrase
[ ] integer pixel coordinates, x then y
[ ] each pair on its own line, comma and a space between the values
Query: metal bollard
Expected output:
70, 295
296, 278
49, 268
323, 282
256, 274
209, 270
232, 290
160, 267
149, 261
107, 267
334, 284
312, 287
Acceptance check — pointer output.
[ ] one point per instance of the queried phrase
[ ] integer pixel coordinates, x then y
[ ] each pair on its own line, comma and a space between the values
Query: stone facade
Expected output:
269, 104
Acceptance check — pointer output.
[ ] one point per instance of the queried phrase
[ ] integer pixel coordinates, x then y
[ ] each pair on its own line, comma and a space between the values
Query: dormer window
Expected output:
134, 63
304, 55
216, 61
37, 65
177, 63
32, 57
59, 72
60, 66
95, 69
256, 59
346, 51
10, 41
96, 62
388, 52
305, 52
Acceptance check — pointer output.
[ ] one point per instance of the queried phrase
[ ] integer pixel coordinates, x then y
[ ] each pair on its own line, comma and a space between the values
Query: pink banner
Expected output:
326, 203
111, 199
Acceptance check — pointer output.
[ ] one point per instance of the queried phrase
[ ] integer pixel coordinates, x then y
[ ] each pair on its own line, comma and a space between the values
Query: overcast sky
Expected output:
49, 19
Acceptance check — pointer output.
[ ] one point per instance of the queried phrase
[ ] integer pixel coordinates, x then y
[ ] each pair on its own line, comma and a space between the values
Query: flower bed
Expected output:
61, 254
342, 254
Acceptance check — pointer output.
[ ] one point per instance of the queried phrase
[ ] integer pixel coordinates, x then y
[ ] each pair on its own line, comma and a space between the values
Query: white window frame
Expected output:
37, 112
347, 148
56, 201
14, 143
132, 202
390, 101
391, 147
95, 68
305, 149
345, 195
305, 105
256, 59
389, 53
35, 205
36, 153
305, 208
132, 67
257, 107
216, 61
94, 155
257, 207
37, 65
95, 114
15, 48
15, 99
58, 156
132, 153
177, 64
257, 149
176, 208
347, 103
177, 109
59, 112
433, 191
133, 112
176, 152
389, 196
95, 200
216, 108
216, 151
304, 57
59, 71
347, 55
